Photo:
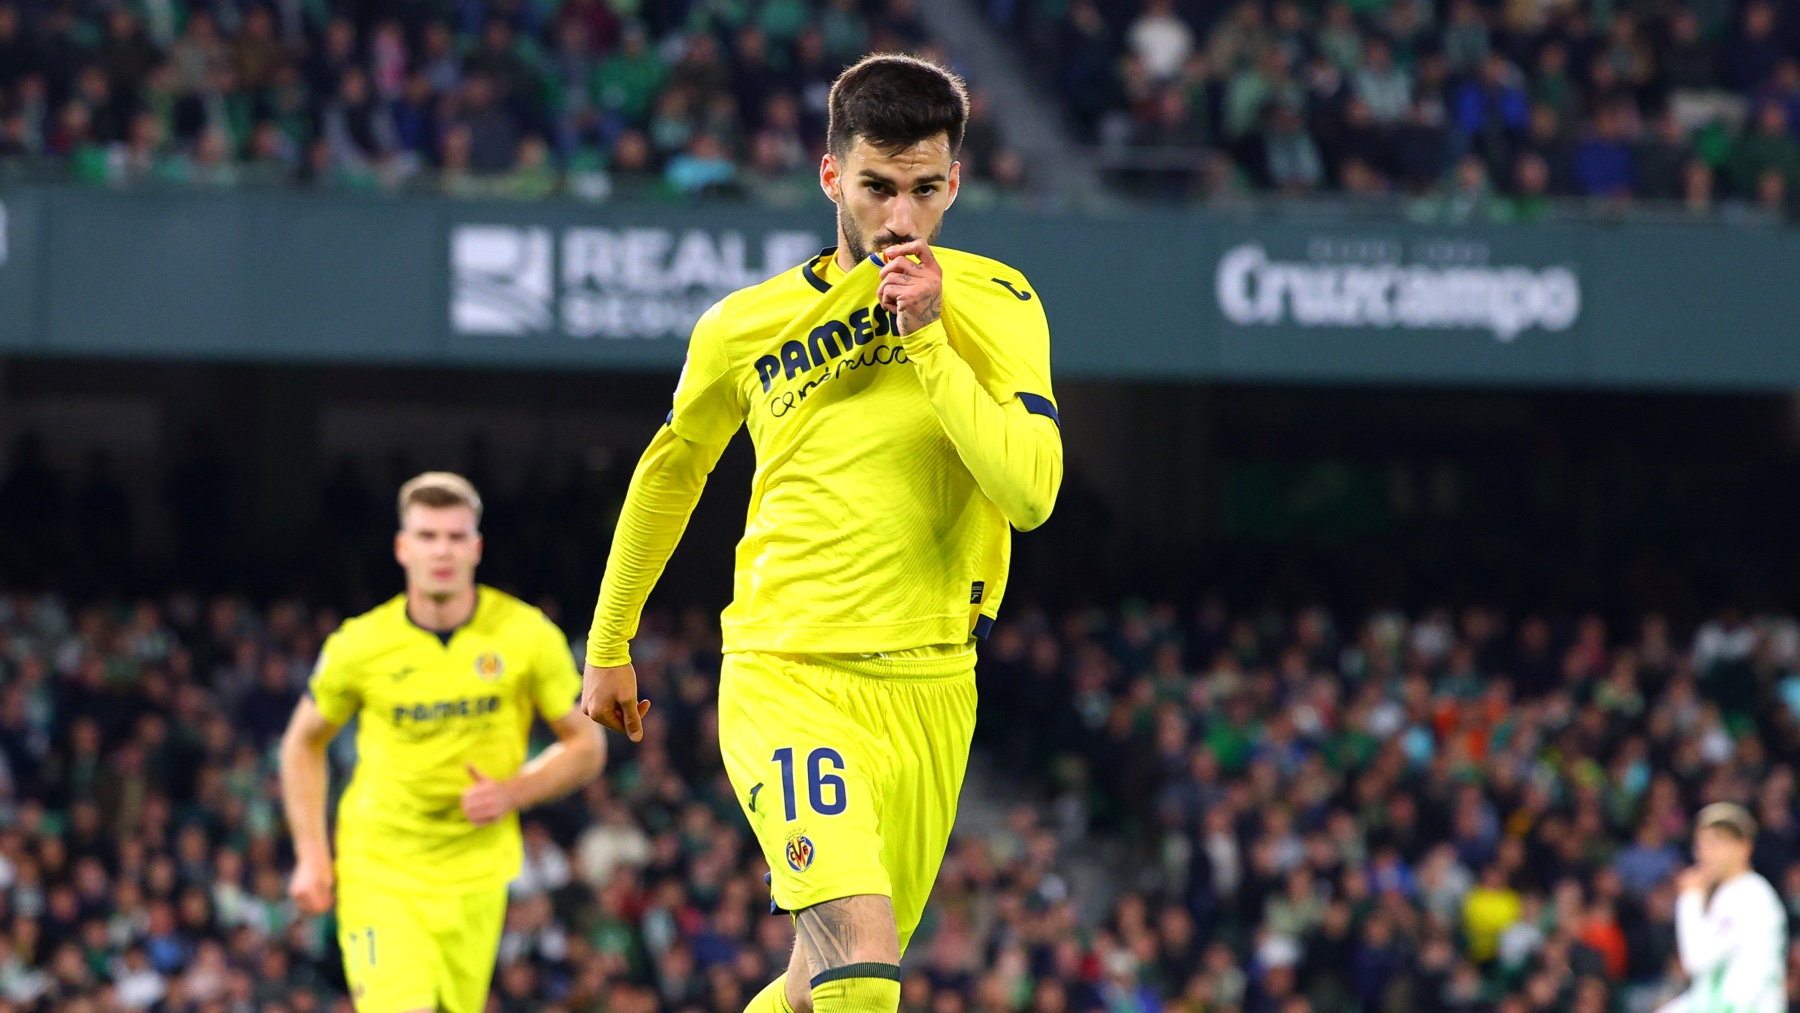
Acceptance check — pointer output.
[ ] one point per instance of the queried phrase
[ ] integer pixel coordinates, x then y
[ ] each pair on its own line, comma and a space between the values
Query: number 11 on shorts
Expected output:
355, 936
817, 780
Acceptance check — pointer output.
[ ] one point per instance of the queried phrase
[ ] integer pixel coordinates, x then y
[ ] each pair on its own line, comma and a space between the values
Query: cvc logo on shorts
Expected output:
650, 282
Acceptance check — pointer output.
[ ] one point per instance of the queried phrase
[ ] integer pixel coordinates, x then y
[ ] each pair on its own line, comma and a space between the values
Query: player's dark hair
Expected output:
894, 101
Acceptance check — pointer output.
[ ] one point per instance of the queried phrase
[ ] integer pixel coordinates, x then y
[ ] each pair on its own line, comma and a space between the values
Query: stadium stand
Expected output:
1494, 111
1311, 810
652, 100
1443, 811
142, 862
1439, 812
1499, 105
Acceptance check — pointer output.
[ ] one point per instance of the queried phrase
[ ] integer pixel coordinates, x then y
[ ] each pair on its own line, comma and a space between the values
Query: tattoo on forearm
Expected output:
922, 313
828, 935
930, 308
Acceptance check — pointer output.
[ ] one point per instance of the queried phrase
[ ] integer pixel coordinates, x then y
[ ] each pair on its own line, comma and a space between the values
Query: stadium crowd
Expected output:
143, 862
1448, 812
512, 98
1498, 105
1492, 110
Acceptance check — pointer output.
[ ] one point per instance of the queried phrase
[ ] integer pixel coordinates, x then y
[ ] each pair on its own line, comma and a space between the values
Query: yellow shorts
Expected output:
405, 950
849, 769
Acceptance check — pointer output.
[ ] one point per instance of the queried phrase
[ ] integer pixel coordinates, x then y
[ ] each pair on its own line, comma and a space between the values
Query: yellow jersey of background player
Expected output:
445, 681
899, 400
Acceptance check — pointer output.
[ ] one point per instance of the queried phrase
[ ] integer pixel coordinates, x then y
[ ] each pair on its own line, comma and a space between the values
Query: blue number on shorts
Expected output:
785, 757
370, 932
817, 781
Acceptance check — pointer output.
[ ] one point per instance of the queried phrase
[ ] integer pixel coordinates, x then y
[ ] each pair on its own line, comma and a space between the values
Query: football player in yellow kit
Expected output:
445, 681
898, 396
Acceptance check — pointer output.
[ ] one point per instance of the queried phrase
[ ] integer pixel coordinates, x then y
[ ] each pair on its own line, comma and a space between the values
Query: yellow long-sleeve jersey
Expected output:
890, 469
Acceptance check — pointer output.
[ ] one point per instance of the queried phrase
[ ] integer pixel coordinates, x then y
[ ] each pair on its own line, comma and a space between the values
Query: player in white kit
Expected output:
1730, 925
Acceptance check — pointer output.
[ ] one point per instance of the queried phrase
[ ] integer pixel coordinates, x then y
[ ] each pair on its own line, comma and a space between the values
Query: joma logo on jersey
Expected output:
489, 666
826, 342
467, 707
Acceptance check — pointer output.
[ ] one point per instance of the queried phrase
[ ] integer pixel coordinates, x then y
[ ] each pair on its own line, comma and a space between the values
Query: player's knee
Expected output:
870, 987
852, 951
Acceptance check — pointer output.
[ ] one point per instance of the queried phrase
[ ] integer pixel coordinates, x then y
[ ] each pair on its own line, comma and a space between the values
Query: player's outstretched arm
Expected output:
664, 489
303, 783
575, 759
1014, 451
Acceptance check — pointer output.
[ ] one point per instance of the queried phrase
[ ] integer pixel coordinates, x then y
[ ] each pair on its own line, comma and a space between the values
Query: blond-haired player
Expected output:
445, 681
1730, 925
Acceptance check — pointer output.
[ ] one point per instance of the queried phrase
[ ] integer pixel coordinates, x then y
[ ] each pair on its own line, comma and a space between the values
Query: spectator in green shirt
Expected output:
1231, 734
1531, 188
628, 80
1767, 146
782, 20
846, 31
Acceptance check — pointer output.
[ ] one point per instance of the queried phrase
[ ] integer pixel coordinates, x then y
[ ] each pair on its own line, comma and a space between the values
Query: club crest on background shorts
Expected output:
799, 852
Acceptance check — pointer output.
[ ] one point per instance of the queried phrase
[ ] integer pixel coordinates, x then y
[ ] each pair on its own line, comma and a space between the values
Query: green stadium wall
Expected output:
329, 278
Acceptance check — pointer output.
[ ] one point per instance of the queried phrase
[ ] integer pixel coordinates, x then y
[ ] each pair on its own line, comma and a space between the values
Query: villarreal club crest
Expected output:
489, 667
799, 852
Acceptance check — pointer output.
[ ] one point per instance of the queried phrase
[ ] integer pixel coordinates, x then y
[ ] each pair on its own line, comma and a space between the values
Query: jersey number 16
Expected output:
817, 780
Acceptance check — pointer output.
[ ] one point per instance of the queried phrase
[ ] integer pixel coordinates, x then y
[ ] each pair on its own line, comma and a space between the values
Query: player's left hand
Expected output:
912, 290
486, 800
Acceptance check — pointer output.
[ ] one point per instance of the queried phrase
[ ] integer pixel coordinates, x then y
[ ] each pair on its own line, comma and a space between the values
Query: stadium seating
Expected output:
1430, 812
654, 100
1500, 105
1498, 110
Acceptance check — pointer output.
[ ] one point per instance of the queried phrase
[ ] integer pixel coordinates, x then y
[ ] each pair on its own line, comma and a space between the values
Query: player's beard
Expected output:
858, 245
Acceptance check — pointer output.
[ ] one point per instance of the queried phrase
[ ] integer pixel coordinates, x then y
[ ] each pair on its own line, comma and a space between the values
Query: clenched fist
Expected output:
912, 290
311, 887
486, 800
609, 696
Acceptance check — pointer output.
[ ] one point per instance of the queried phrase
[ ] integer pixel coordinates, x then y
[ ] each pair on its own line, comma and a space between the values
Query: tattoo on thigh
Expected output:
850, 930
828, 935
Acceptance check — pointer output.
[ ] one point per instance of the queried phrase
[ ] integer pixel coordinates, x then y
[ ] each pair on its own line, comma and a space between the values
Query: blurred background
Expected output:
1425, 556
